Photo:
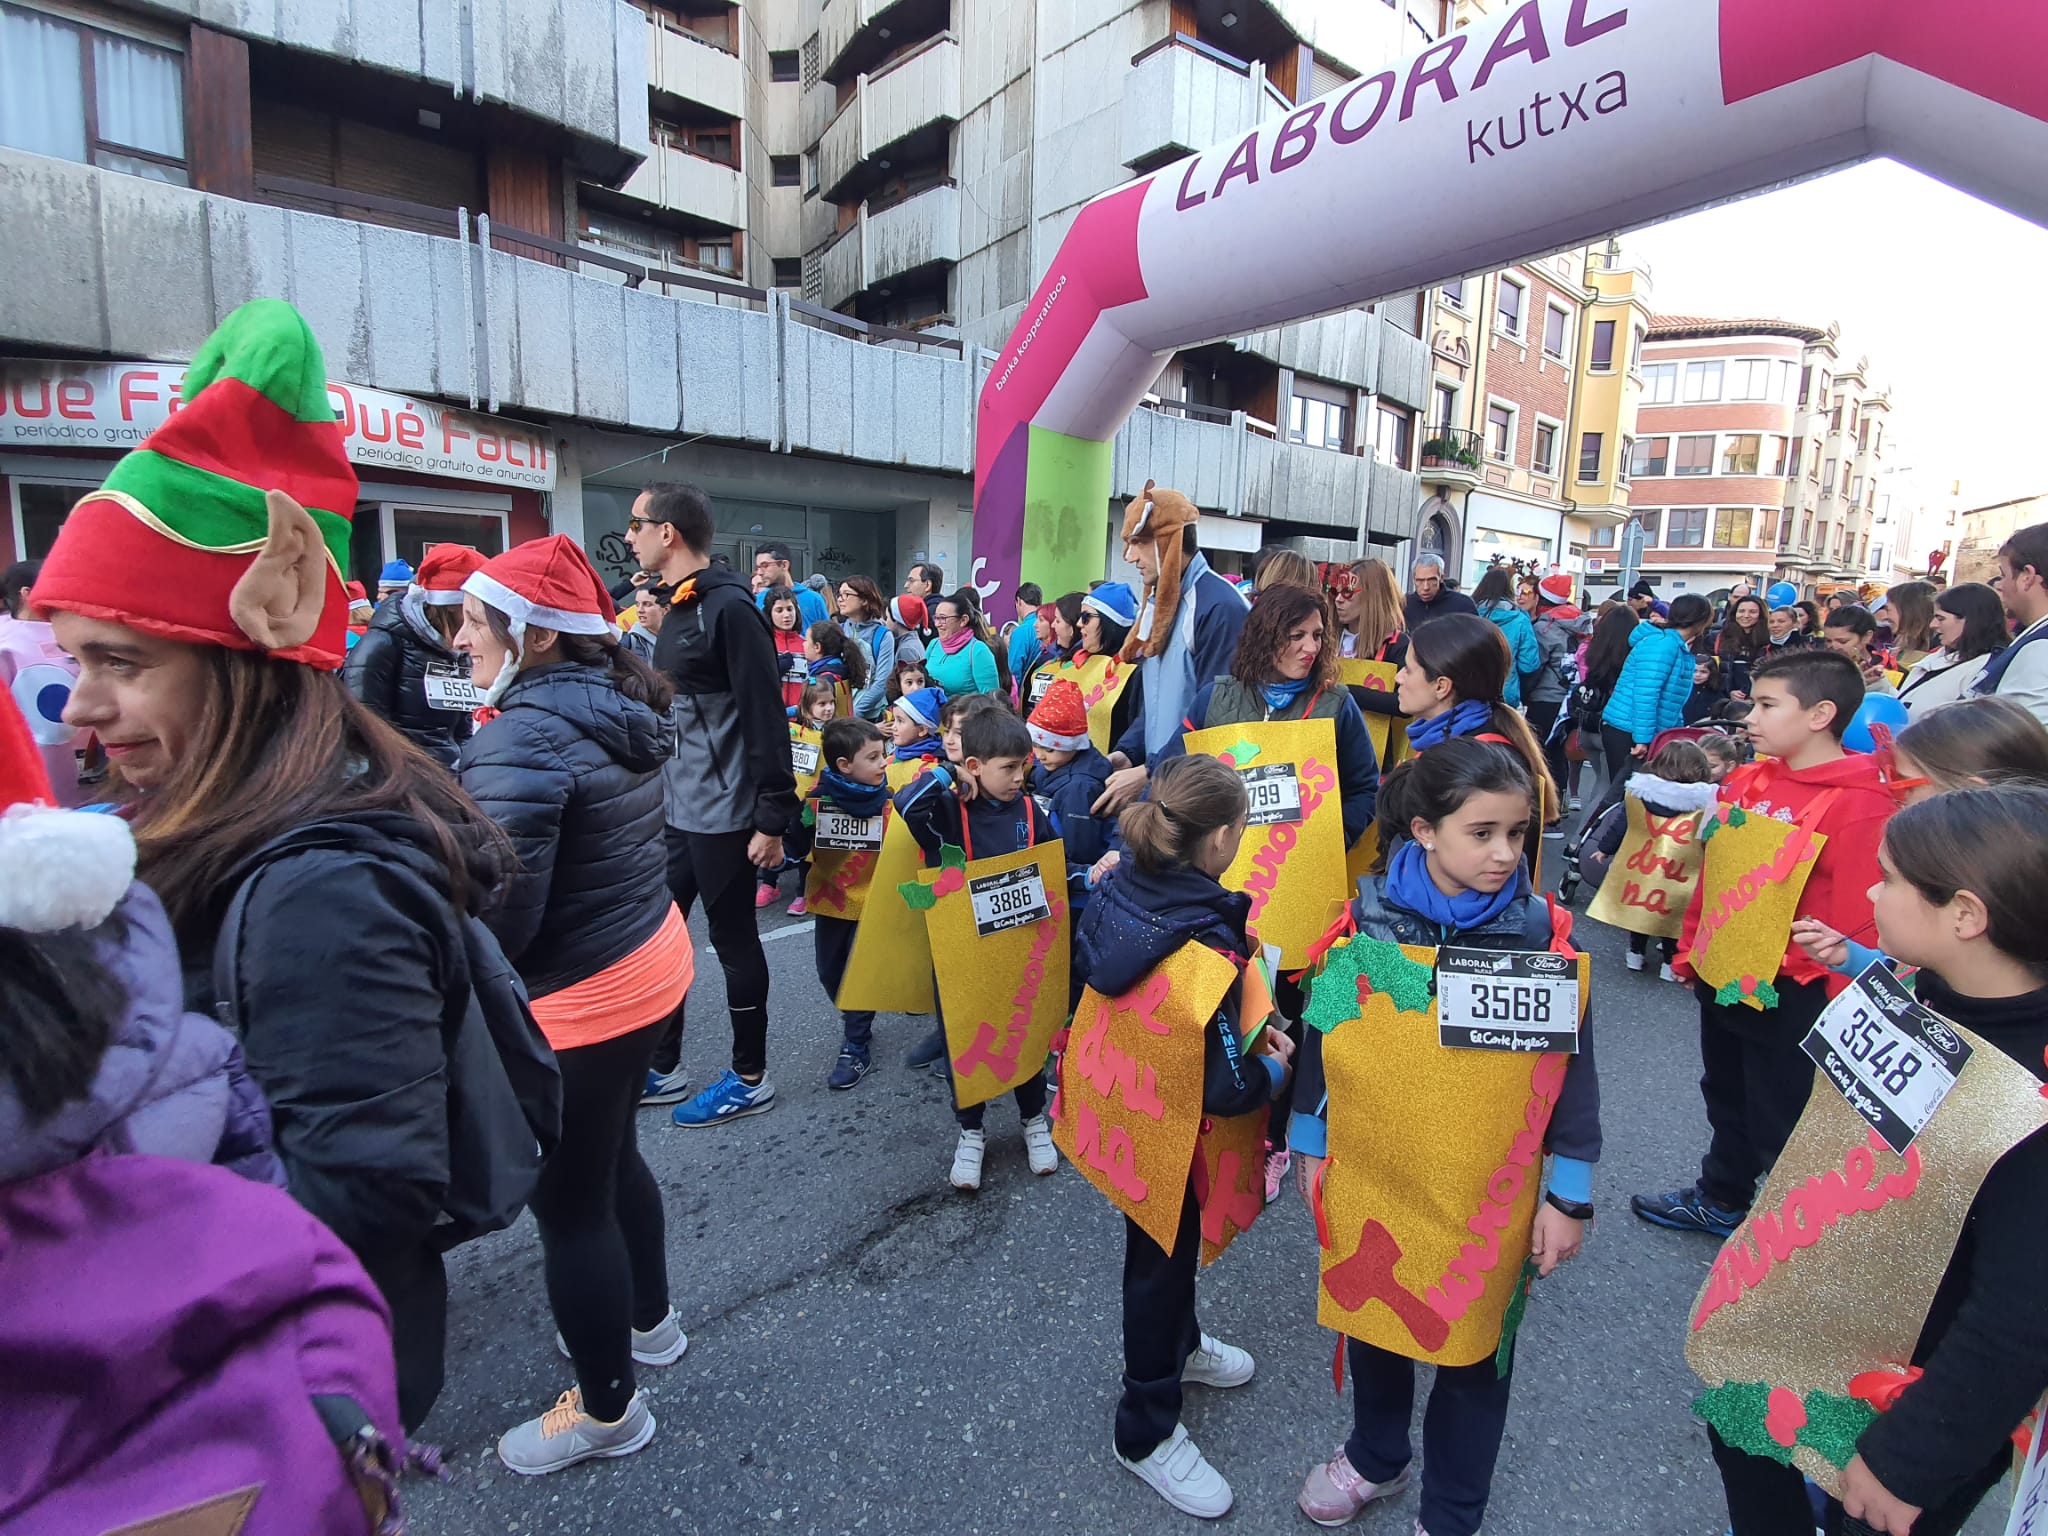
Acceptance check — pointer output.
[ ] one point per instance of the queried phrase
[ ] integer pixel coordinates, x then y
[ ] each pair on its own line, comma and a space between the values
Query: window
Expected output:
789, 272
1731, 527
785, 67
788, 170
1446, 413
1650, 456
1660, 383
1508, 308
1813, 463
1319, 423
1695, 455
1750, 378
716, 254
76, 93
1589, 456
1767, 528
1785, 376
1393, 430
1555, 323
1648, 521
1855, 490
1827, 479
1835, 416
1863, 437
1703, 380
1500, 431
1798, 451
1454, 293
1687, 528
1603, 537
1774, 456
1544, 457
1805, 383
1741, 453
1603, 346
1621, 460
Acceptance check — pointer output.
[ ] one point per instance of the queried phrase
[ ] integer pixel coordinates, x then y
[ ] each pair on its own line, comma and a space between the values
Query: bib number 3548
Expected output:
1891, 1058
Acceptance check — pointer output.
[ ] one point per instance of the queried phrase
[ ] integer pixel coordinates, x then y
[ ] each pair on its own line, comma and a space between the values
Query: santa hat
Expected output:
229, 525
923, 706
549, 582
443, 570
1060, 722
1159, 516
65, 869
908, 610
1555, 588
395, 573
357, 596
1113, 601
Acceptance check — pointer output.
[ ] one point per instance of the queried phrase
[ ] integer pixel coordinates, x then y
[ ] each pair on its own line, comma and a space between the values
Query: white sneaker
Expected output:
1039, 1151
967, 1160
1635, 961
1665, 973
663, 1344
1217, 1364
1180, 1474
565, 1435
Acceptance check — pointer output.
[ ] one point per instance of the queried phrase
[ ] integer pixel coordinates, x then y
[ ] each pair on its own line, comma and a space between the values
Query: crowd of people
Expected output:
376, 933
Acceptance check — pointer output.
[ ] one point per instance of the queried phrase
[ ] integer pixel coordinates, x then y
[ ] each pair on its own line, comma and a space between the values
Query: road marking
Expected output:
786, 933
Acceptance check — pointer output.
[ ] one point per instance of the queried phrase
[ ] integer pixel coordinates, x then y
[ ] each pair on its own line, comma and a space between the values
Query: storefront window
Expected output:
416, 529
43, 506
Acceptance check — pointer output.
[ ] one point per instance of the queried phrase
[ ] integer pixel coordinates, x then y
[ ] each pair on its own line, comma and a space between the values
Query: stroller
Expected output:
1610, 804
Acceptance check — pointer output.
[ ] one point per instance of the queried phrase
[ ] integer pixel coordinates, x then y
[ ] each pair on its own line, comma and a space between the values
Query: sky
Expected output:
1937, 288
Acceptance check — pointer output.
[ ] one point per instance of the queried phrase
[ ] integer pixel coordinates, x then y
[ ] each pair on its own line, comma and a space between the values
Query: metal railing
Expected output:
1455, 447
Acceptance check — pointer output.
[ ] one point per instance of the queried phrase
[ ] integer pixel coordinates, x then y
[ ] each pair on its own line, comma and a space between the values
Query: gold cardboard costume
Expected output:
1102, 680
1754, 872
890, 966
1655, 871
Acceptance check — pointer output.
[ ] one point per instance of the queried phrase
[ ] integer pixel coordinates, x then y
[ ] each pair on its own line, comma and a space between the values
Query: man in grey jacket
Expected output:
730, 791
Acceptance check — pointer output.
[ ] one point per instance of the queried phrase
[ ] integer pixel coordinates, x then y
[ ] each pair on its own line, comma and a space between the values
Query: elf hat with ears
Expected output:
546, 582
229, 526
1159, 516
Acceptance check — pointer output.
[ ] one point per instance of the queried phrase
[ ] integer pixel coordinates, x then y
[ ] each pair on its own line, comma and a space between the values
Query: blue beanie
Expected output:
1114, 601
396, 571
923, 706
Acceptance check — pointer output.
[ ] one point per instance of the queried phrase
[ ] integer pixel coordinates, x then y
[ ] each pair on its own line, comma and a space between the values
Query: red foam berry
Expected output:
1784, 1415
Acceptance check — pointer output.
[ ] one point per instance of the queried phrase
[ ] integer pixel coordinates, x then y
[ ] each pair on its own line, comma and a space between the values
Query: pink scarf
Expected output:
957, 641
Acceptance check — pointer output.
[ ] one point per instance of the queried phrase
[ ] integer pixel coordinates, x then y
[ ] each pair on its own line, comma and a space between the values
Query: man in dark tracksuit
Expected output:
730, 790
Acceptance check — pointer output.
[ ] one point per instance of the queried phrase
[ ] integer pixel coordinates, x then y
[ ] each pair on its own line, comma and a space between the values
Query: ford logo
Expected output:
1941, 1036
1550, 962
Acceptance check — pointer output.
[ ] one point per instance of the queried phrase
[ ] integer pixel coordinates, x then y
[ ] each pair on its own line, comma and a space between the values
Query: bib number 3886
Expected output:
1008, 900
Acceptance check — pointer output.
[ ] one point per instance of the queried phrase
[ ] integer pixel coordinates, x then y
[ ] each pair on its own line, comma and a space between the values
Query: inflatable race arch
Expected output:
1561, 123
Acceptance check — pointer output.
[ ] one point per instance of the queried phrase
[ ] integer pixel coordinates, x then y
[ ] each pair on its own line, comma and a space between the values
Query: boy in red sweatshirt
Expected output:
1754, 1077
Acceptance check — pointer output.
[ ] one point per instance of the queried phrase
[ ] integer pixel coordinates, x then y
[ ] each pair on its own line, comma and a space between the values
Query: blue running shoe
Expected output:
728, 1098
852, 1066
1686, 1210
665, 1087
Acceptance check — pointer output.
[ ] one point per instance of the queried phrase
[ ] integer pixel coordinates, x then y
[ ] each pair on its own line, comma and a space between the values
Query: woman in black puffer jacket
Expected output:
570, 766
406, 667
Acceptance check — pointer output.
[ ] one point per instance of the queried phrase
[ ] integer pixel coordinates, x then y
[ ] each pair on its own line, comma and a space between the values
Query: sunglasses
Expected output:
635, 524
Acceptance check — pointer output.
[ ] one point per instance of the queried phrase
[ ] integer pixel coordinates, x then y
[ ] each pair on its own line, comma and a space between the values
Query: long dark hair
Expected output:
1437, 783
1069, 606
872, 603
1740, 642
1912, 606
1607, 651
783, 595
1991, 739
1474, 655
60, 1007
1983, 616
832, 641
629, 674
1279, 610
1987, 842
1496, 586
279, 745
1113, 633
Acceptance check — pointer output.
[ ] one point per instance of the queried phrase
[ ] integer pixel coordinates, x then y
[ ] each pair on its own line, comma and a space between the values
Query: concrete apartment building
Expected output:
555, 248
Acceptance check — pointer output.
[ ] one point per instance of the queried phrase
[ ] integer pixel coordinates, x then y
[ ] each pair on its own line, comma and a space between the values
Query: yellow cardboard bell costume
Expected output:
1102, 680
890, 966
1754, 871
1650, 882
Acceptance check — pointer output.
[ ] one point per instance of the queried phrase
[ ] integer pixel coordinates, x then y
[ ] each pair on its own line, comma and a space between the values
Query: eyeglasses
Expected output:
635, 524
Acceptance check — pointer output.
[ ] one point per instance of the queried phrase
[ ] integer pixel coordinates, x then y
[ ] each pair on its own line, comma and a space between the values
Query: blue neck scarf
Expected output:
930, 747
828, 666
1281, 695
1409, 887
854, 799
1463, 718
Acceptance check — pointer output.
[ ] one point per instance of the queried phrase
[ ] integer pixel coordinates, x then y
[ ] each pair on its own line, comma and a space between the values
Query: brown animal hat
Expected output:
1158, 516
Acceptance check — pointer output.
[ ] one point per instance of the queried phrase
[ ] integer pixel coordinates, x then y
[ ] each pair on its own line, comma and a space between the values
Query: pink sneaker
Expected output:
1334, 1493
798, 907
764, 895
1276, 1173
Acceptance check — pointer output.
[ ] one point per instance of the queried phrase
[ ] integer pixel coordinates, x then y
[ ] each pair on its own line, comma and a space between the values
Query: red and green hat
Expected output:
230, 524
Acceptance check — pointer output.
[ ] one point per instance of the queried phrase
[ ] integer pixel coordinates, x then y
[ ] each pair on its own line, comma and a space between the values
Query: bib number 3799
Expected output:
1274, 792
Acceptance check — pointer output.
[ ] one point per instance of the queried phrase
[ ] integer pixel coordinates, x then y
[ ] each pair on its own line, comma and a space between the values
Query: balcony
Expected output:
913, 95
1451, 456
1182, 96
856, 35
683, 65
892, 242
675, 179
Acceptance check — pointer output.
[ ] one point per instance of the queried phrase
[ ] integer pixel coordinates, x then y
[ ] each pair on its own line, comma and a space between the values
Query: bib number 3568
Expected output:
1490, 1000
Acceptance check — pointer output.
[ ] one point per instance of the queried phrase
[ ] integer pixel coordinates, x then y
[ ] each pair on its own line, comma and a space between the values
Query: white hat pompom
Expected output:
62, 869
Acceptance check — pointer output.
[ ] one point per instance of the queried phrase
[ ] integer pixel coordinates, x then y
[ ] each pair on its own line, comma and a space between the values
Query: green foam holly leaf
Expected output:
810, 813
1511, 1323
951, 857
1360, 966
1737, 816
1755, 1417
917, 896
1728, 992
1243, 752
1767, 994
1708, 828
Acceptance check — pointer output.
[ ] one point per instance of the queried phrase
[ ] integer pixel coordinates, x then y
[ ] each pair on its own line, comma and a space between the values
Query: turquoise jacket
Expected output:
1656, 680
1521, 637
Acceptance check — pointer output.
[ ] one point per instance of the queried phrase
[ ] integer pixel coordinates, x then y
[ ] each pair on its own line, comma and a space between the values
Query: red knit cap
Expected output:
443, 570
1060, 722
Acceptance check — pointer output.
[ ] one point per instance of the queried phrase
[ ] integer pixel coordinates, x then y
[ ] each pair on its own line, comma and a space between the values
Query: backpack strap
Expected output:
227, 958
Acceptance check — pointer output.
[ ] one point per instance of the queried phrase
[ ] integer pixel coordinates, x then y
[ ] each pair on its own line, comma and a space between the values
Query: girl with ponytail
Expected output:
1168, 894
1453, 825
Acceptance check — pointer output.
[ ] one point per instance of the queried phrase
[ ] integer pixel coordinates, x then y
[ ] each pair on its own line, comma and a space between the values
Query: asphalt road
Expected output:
871, 1351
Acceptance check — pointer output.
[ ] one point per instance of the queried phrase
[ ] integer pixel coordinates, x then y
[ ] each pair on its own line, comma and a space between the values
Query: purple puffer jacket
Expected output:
172, 1083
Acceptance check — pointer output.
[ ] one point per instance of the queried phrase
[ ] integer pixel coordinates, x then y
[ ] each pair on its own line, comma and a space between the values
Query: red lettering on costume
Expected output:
1801, 1220
1656, 901
1230, 1198
1107, 1149
1463, 1281
984, 1051
1368, 1275
837, 891
1727, 903
1647, 861
1316, 780
1106, 1068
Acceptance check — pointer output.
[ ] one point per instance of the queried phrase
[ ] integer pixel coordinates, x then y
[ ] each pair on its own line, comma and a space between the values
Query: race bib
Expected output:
1274, 790
794, 668
1040, 681
1525, 1000
1891, 1058
449, 687
852, 834
1008, 900
803, 759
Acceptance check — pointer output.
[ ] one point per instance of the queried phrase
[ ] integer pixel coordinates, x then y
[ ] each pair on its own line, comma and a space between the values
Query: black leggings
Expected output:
601, 1229
715, 865
1766, 1498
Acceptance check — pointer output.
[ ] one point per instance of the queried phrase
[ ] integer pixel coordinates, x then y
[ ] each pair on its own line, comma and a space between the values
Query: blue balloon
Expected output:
1782, 594
1878, 709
